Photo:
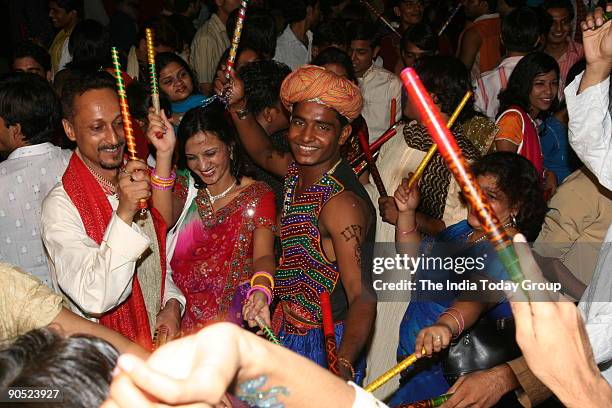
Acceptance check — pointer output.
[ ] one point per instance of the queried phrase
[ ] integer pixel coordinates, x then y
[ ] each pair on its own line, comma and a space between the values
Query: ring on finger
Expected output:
124, 170
437, 339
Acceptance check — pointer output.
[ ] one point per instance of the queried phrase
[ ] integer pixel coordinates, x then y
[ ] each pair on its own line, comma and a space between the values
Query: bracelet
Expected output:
162, 183
163, 179
265, 275
348, 365
460, 321
406, 232
261, 288
456, 320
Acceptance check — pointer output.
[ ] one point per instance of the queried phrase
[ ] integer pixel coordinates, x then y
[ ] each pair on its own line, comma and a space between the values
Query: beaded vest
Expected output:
304, 271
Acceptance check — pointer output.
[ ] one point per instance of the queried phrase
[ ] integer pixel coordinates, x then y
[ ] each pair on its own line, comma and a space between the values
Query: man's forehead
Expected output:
313, 110
104, 99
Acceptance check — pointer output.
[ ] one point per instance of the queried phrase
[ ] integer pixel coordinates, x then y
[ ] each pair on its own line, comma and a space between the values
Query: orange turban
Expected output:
313, 83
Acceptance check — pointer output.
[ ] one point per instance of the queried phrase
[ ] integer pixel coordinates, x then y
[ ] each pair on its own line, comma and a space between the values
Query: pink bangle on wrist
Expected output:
264, 290
406, 232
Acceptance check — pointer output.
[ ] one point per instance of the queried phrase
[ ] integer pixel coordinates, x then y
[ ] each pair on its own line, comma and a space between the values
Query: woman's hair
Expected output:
448, 79
333, 55
78, 366
165, 58
209, 119
518, 179
89, 46
521, 80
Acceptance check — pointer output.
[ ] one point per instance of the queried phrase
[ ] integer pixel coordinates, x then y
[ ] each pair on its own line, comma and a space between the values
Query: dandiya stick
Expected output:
434, 147
152, 70
329, 333
429, 403
465, 178
393, 112
363, 142
450, 18
128, 131
384, 378
267, 331
160, 337
231, 59
376, 145
379, 16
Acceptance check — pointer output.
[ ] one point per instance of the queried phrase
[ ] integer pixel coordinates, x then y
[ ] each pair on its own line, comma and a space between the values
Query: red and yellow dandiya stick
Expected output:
434, 147
231, 59
458, 166
152, 70
365, 146
429, 403
128, 131
329, 333
393, 112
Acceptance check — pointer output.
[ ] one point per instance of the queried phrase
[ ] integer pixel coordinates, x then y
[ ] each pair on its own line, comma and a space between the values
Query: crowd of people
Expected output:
263, 186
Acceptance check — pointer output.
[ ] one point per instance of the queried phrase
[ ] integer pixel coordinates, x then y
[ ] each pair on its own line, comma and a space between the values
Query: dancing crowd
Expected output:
156, 242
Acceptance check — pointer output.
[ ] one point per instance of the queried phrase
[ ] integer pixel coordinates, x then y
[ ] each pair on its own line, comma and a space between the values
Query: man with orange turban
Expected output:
326, 218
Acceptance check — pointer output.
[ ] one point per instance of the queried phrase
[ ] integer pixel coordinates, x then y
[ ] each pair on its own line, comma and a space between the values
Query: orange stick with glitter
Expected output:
128, 131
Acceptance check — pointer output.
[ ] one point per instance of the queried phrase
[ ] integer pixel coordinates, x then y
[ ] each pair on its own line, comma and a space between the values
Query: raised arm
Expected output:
346, 219
253, 137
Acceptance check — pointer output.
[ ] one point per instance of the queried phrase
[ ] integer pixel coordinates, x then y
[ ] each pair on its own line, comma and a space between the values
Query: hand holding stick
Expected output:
267, 331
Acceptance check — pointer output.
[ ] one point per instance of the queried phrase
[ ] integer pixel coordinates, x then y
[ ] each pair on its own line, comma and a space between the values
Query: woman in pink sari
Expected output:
223, 222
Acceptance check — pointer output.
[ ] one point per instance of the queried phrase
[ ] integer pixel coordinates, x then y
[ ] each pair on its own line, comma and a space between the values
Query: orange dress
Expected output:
489, 54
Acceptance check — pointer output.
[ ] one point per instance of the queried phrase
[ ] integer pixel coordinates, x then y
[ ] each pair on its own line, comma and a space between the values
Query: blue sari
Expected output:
425, 379
191, 102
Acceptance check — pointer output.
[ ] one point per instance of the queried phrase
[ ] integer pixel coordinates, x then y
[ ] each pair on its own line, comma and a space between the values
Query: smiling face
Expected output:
562, 26
60, 17
543, 92
315, 134
174, 81
209, 158
497, 198
97, 128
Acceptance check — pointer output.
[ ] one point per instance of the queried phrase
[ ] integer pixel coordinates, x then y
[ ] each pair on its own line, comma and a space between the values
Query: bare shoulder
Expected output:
346, 207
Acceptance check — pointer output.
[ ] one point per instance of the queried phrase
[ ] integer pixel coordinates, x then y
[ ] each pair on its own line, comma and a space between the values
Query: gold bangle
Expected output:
348, 365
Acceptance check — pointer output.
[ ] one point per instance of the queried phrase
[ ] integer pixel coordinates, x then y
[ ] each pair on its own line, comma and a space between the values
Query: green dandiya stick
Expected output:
267, 331
152, 70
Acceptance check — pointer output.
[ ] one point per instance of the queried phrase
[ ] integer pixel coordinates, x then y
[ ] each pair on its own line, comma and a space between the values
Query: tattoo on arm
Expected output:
352, 231
251, 392
358, 254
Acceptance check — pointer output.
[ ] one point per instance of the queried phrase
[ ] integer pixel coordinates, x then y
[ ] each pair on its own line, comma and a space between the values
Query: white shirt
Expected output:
95, 278
26, 176
378, 88
489, 84
590, 134
364, 399
291, 51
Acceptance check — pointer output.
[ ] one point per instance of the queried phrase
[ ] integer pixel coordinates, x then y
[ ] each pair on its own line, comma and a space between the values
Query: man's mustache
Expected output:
110, 147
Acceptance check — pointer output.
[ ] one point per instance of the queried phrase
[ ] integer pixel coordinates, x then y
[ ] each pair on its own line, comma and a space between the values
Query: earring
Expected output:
513, 219
231, 151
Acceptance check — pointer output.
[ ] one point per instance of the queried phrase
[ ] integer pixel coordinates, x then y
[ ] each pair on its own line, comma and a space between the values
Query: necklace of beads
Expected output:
214, 198
290, 191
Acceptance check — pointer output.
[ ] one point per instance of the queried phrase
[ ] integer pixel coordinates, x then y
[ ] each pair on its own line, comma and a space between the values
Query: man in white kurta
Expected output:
590, 134
96, 278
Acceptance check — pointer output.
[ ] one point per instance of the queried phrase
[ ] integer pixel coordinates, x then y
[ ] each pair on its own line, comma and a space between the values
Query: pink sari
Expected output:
213, 259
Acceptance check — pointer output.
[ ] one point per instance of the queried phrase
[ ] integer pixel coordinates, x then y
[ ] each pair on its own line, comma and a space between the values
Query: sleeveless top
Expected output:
489, 54
304, 271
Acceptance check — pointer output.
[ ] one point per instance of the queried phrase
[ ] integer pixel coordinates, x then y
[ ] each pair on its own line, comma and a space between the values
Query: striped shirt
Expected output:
209, 43
490, 84
572, 55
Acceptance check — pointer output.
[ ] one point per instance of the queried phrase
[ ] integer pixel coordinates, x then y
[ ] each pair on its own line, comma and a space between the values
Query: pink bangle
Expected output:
162, 188
262, 289
164, 179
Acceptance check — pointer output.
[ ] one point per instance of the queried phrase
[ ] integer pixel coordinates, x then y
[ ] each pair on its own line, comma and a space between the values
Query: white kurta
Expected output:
379, 87
590, 134
95, 278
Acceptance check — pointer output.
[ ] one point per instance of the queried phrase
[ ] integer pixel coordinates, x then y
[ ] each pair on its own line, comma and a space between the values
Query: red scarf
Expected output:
130, 318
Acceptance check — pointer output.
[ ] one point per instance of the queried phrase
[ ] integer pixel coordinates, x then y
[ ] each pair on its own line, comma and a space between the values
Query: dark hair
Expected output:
71, 5
518, 179
521, 80
492, 5
262, 82
258, 31
366, 31
329, 33
165, 58
28, 100
521, 30
560, 4
354, 12
81, 84
89, 46
165, 32
448, 79
34, 51
79, 366
296, 10
209, 119
421, 35
333, 55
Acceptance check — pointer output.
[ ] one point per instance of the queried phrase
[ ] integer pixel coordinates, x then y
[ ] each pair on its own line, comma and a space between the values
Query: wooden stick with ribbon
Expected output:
329, 333
150, 35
